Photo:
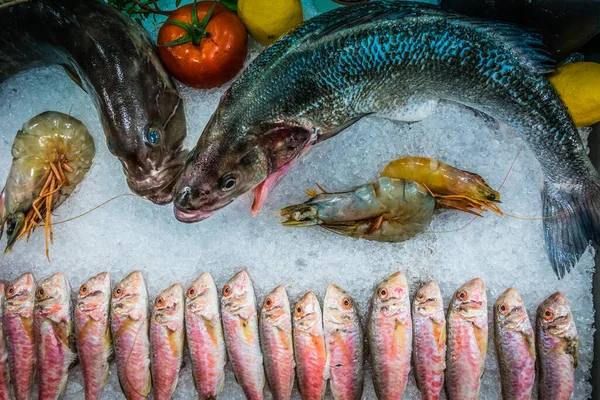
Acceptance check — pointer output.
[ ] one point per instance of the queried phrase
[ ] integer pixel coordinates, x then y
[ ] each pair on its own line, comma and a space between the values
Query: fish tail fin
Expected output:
571, 221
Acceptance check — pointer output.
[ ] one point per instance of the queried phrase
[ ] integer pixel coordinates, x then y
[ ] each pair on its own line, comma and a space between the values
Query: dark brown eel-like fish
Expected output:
141, 112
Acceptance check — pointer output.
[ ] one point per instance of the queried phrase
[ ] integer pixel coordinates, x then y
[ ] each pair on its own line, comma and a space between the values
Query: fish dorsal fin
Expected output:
525, 43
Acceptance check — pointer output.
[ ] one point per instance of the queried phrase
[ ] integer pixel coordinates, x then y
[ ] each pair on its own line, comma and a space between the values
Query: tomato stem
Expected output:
196, 31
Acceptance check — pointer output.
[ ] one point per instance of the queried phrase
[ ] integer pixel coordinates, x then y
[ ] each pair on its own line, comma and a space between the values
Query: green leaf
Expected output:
195, 13
177, 3
184, 39
231, 4
206, 18
181, 24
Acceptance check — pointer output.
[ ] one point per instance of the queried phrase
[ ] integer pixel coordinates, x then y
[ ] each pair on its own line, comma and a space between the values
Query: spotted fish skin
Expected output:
557, 348
276, 340
129, 329
4, 374
309, 348
390, 337
467, 341
92, 328
53, 328
18, 324
204, 334
515, 346
429, 340
240, 325
344, 343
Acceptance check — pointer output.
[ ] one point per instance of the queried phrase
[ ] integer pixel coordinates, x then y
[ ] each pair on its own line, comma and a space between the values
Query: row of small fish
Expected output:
278, 343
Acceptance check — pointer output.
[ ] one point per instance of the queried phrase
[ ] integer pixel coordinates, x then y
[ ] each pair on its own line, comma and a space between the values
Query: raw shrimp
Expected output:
451, 187
388, 210
51, 155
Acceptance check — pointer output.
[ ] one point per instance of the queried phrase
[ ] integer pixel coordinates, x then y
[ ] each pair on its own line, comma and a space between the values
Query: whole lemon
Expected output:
578, 84
267, 20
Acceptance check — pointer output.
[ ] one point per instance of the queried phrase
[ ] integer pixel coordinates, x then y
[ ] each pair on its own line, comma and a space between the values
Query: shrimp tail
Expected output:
571, 221
300, 215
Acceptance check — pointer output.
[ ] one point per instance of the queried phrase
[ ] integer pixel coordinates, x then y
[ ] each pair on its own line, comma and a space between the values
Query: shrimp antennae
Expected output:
93, 209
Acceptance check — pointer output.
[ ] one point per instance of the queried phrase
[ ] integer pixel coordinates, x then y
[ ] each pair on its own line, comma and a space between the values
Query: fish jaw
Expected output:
166, 341
205, 339
53, 331
275, 326
93, 333
309, 347
240, 326
261, 192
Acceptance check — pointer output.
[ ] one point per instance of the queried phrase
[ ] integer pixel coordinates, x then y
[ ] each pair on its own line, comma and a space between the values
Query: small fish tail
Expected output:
571, 221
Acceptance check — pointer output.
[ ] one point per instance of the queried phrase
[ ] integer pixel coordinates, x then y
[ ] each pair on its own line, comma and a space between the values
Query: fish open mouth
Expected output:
192, 216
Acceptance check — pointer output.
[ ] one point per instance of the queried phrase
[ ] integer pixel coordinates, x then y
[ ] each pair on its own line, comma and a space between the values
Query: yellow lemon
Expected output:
267, 20
578, 84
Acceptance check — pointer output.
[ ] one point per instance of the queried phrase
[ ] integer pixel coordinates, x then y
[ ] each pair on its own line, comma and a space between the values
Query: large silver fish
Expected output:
114, 60
394, 60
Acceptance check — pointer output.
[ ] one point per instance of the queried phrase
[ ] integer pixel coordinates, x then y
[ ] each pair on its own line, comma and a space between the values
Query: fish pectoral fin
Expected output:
74, 76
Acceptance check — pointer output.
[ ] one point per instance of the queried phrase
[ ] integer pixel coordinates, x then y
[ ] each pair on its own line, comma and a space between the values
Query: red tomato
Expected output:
214, 54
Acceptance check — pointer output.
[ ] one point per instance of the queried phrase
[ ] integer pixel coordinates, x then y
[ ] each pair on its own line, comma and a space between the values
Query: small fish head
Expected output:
94, 293
127, 294
21, 291
470, 299
307, 314
276, 305
149, 143
168, 305
509, 310
339, 308
391, 296
201, 293
222, 167
53, 291
238, 293
428, 301
554, 315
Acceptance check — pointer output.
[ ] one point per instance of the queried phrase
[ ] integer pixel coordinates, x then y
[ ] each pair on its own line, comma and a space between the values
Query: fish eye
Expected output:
298, 311
347, 303
160, 301
118, 292
10, 290
83, 290
382, 293
152, 136
268, 302
40, 292
461, 295
228, 183
548, 314
503, 308
420, 296
227, 291
191, 292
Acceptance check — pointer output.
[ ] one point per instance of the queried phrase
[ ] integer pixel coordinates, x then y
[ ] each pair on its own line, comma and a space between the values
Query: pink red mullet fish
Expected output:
515, 346
129, 327
277, 345
344, 343
18, 324
240, 324
557, 348
467, 341
53, 327
166, 341
93, 333
204, 334
429, 338
309, 348
390, 337
4, 374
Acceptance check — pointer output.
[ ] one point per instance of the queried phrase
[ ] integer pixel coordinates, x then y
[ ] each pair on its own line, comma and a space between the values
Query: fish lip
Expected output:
190, 217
